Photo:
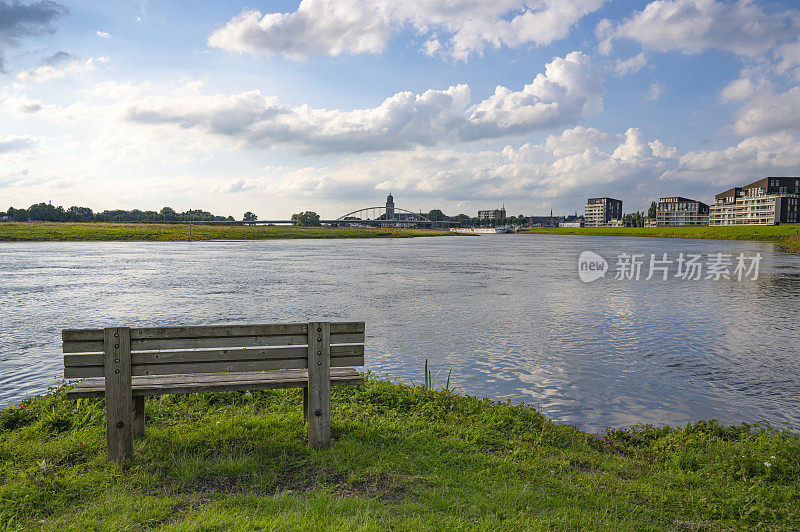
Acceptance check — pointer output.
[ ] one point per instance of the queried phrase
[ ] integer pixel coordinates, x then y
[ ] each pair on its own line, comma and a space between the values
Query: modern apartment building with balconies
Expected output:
768, 201
603, 212
676, 210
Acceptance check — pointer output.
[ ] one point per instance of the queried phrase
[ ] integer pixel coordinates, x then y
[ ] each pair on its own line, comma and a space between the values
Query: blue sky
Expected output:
277, 107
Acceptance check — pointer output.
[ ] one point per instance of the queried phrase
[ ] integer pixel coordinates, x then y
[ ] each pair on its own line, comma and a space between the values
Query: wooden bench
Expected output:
125, 365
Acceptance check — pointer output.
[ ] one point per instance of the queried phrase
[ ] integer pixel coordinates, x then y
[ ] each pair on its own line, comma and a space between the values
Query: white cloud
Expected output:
630, 65
762, 155
737, 90
335, 27
692, 26
570, 88
655, 91
16, 144
431, 47
789, 58
769, 112
49, 72
103, 35
578, 161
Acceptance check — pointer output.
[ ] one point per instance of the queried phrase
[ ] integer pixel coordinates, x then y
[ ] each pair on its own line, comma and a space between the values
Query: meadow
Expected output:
787, 235
402, 458
96, 231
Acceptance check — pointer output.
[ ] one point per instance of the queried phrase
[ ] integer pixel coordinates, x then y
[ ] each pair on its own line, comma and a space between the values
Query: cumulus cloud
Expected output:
463, 27
693, 26
789, 58
769, 112
630, 65
760, 155
576, 161
103, 34
15, 144
19, 20
570, 88
737, 90
50, 72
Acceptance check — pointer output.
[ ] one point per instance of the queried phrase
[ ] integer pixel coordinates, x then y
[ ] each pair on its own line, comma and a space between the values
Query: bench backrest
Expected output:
211, 349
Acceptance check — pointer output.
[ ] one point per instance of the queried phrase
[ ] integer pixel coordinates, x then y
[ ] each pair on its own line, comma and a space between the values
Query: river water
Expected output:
507, 314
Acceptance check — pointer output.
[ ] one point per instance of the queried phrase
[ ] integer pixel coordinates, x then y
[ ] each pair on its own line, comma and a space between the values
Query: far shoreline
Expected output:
185, 232
786, 236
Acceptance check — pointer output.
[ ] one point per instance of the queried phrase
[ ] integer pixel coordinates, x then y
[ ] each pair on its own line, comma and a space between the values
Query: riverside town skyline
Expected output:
271, 109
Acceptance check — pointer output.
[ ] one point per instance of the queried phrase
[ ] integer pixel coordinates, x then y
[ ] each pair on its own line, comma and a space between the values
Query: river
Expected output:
507, 314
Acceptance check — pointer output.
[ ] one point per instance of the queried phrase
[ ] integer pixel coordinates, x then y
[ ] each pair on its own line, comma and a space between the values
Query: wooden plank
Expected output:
209, 342
119, 436
83, 372
212, 355
210, 331
161, 385
197, 331
305, 404
191, 343
319, 384
137, 420
346, 327
347, 338
219, 367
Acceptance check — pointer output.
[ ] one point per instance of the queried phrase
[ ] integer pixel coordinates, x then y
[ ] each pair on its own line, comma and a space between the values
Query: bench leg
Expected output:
119, 399
305, 404
319, 384
137, 423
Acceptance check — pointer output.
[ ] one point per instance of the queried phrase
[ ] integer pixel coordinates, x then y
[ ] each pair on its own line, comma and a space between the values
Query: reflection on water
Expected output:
506, 312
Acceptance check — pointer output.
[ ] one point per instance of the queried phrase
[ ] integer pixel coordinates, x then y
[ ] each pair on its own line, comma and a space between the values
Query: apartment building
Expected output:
495, 214
677, 210
768, 201
603, 212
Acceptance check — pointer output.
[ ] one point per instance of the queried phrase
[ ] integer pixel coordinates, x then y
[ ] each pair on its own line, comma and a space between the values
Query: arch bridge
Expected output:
387, 216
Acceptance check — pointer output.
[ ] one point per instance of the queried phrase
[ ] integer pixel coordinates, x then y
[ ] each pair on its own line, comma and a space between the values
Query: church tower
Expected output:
389, 207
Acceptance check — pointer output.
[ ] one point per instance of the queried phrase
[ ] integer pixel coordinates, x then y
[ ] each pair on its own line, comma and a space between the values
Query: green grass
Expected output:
45, 231
772, 233
785, 235
791, 244
402, 458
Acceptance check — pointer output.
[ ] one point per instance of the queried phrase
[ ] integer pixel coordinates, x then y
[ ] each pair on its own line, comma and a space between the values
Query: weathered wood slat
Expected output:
203, 362
96, 346
200, 383
212, 355
211, 331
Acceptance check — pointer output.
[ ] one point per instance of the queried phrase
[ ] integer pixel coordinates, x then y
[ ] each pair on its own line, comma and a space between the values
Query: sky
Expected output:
328, 105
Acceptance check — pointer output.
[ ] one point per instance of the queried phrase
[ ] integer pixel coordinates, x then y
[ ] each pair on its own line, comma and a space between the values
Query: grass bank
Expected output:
402, 458
791, 244
785, 235
63, 232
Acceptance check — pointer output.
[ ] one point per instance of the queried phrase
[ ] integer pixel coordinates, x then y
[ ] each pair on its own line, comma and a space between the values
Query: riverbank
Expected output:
402, 458
791, 244
65, 232
785, 235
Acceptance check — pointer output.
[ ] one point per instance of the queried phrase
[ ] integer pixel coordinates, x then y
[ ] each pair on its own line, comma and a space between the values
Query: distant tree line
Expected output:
45, 212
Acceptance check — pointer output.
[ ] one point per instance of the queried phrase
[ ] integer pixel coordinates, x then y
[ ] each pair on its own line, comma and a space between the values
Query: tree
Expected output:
249, 217
80, 214
651, 213
306, 219
436, 216
168, 214
18, 215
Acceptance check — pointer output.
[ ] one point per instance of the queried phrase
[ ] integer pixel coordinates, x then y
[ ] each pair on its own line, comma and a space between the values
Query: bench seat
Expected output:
214, 382
125, 365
